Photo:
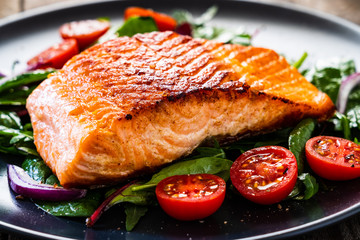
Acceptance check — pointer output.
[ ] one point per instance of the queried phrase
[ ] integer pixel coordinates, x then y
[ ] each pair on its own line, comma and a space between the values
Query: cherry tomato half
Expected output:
85, 32
55, 56
191, 197
164, 22
333, 158
265, 175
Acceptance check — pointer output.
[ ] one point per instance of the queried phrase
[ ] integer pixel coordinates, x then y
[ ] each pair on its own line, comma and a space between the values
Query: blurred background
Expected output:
348, 9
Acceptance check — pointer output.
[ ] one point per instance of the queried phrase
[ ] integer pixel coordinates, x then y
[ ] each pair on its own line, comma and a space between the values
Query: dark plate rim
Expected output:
290, 232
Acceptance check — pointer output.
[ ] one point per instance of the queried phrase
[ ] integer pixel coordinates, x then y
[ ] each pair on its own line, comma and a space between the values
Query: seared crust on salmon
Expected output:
130, 105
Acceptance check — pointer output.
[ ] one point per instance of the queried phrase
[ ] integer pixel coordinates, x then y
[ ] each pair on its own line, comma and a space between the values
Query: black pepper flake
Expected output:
285, 171
353, 165
128, 117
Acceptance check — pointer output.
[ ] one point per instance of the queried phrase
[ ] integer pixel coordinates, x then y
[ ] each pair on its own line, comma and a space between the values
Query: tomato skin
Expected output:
190, 207
329, 160
55, 56
85, 32
164, 22
265, 175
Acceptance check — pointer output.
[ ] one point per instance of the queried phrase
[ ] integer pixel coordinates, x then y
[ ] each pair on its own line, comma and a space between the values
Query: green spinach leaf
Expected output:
83, 207
10, 120
135, 197
311, 185
37, 169
133, 214
17, 141
211, 165
298, 138
23, 79
16, 97
306, 187
136, 25
200, 28
327, 76
52, 180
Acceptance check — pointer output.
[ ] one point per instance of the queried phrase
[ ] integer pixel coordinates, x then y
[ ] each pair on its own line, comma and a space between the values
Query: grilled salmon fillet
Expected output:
130, 105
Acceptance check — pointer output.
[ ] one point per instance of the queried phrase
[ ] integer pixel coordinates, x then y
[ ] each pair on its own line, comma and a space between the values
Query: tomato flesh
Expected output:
191, 197
265, 175
55, 56
164, 22
85, 32
333, 158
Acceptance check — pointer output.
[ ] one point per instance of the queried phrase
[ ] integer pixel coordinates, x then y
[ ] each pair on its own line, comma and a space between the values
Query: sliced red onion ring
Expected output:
184, 29
345, 88
21, 183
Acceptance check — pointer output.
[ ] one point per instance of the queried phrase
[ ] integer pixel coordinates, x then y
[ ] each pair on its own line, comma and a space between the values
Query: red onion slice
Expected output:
21, 183
345, 88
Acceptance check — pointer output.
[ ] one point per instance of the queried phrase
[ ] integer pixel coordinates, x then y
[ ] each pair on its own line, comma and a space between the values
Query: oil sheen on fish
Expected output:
131, 105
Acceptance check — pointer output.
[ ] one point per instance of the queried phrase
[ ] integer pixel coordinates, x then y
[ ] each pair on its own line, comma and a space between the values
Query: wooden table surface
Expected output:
348, 9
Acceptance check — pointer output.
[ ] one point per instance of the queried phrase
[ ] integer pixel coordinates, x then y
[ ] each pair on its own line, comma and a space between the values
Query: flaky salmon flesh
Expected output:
130, 105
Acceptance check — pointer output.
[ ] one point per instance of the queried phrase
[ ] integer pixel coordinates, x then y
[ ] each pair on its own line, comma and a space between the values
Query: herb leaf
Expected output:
202, 30
327, 76
10, 120
298, 138
17, 141
136, 25
23, 79
133, 214
83, 207
210, 165
311, 186
37, 169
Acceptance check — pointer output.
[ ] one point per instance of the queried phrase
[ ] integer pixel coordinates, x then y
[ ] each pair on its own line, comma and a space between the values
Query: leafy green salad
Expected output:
138, 196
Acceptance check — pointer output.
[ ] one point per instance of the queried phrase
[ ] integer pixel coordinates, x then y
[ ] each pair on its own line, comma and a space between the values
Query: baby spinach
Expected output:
16, 97
52, 180
353, 108
23, 79
210, 165
10, 120
37, 169
327, 77
200, 28
133, 214
83, 207
128, 195
311, 185
298, 138
16, 141
136, 25
306, 186
129, 28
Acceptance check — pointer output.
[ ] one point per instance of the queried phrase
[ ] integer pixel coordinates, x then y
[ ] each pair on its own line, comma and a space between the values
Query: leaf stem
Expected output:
299, 62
